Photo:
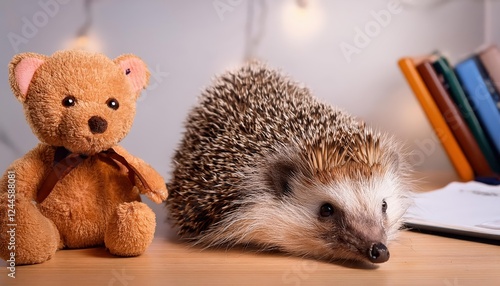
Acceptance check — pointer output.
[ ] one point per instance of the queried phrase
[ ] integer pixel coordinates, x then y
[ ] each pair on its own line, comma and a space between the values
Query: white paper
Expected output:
470, 208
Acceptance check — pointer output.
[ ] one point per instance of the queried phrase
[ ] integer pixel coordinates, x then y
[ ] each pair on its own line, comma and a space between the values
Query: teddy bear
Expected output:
77, 188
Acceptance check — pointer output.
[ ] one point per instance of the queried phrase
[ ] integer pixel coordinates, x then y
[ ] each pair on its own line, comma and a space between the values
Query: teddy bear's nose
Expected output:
97, 124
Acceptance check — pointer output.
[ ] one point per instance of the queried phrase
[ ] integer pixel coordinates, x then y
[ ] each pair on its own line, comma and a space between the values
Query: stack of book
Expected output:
462, 104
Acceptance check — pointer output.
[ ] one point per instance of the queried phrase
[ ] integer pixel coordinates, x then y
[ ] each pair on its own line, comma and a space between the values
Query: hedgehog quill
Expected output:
265, 164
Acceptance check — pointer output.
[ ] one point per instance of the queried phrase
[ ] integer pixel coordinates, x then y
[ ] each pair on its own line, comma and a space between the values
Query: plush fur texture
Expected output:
261, 157
96, 203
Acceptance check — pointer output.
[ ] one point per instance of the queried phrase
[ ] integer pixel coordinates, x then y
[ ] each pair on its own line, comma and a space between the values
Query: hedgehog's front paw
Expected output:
130, 230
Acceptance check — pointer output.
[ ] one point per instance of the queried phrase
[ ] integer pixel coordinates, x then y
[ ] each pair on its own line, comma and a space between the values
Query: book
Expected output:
469, 209
454, 119
443, 68
437, 121
473, 80
490, 58
489, 84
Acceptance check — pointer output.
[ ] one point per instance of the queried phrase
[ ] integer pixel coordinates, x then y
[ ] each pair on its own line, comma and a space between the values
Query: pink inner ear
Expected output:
24, 72
135, 70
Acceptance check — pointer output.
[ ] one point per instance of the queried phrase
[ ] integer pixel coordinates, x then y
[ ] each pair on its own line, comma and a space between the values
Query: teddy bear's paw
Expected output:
158, 196
130, 230
32, 237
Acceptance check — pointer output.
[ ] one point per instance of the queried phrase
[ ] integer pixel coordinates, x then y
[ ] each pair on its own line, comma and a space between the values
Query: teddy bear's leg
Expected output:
25, 234
130, 229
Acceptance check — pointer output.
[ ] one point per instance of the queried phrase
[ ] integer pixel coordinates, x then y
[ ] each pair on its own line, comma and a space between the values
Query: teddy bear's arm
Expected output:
159, 190
28, 171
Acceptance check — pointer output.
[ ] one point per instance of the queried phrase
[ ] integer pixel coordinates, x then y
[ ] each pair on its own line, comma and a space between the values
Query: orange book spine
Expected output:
437, 121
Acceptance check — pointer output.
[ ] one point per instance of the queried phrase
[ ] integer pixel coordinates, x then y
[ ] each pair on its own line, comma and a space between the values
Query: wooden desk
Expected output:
416, 259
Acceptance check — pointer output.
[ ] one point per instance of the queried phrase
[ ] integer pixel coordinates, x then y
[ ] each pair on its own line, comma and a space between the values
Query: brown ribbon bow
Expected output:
65, 161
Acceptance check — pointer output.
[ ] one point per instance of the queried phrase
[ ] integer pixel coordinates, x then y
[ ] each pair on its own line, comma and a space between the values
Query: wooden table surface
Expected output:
416, 259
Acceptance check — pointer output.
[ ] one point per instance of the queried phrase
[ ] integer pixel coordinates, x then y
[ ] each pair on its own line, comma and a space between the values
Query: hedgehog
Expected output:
266, 165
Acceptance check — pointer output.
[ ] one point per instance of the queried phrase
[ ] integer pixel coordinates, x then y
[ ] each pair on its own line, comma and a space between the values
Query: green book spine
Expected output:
442, 67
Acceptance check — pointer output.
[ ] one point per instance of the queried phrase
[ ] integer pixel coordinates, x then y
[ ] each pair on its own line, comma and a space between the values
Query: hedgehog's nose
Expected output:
378, 253
97, 124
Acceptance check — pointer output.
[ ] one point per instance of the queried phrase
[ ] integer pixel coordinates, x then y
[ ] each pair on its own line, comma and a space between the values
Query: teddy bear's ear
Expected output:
136, 71
21, 71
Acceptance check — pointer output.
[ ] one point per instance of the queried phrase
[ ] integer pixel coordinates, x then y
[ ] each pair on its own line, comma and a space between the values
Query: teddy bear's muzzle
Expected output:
97, 125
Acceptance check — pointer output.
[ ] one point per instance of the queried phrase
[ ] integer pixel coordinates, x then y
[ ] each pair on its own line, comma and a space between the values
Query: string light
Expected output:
254, 33
83, 40
302, 19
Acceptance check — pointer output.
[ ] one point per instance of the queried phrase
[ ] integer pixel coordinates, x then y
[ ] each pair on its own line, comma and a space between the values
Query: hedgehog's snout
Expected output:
378, 253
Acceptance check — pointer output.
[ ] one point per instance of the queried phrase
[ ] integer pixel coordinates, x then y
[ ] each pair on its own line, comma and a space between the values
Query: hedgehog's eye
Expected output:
69, 101
384, 206
326, 210
113, 103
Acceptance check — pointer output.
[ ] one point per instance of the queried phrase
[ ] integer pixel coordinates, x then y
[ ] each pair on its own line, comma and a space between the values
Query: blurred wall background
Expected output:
345, 51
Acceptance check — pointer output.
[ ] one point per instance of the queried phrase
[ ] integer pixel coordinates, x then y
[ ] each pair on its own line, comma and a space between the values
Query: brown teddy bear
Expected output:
77, 188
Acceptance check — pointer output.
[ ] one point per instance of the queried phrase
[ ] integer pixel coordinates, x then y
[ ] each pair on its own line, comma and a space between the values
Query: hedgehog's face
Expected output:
356, 213
347, 213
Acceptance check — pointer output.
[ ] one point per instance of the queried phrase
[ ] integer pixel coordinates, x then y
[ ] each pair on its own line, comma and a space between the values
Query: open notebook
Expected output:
470, 209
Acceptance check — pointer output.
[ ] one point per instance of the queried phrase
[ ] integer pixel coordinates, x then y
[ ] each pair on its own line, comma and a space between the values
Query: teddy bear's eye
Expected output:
69, 101
113, 103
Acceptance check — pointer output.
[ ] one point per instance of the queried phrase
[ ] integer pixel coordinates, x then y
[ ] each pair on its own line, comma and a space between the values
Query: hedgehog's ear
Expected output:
279, 177
21, 70
135, 70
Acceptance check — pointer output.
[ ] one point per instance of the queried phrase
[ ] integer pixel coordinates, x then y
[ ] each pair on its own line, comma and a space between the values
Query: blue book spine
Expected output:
482, 97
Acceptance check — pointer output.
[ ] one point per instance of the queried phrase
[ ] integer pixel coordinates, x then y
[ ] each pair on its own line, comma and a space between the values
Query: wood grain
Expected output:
416, 259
